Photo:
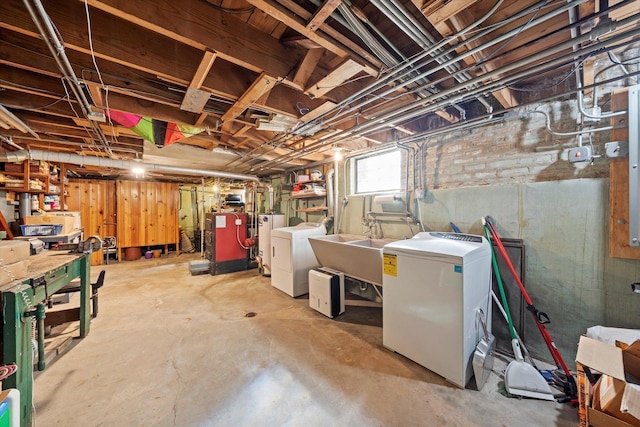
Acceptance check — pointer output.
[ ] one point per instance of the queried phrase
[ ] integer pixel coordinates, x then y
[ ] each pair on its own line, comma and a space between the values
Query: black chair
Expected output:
62, 316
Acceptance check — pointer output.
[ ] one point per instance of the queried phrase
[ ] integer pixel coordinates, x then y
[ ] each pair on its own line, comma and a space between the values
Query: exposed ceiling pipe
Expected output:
420, 108
412, 28
395, 115
388, 78
43, 22
349, 105
59, 157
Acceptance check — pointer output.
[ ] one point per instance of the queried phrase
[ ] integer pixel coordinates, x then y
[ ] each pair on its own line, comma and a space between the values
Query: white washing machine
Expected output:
266, 223
433, 287
292, 257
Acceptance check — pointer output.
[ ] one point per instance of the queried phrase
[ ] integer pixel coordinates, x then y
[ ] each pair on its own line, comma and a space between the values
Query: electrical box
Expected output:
580, 154
617, 149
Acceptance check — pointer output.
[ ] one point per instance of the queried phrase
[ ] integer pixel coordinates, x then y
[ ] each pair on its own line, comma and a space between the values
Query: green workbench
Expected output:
48, 272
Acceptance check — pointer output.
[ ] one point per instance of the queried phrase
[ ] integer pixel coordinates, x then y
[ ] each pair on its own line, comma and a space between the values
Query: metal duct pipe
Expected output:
18, 156
420, 104
330, 197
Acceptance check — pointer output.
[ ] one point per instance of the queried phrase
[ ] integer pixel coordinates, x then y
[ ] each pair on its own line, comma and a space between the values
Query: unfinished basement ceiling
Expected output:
263, 86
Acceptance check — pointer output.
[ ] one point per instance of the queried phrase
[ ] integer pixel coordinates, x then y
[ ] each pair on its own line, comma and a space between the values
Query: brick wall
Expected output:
516, 150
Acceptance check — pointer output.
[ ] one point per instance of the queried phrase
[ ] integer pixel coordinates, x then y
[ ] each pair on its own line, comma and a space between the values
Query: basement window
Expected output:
378, 173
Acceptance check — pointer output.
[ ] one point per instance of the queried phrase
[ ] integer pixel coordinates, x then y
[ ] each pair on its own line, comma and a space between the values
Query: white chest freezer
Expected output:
434, 285
267, 223
292, 257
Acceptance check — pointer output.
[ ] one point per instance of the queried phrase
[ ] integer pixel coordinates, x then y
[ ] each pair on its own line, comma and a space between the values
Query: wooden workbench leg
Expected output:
17, 347
85, 296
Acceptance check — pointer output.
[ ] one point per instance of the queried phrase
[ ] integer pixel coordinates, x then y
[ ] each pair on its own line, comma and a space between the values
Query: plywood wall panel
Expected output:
148, 213
95, 200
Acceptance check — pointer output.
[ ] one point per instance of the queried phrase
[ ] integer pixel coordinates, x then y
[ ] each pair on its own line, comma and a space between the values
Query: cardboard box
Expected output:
67, 222
12, 251
77, 223
618, 391
17, 270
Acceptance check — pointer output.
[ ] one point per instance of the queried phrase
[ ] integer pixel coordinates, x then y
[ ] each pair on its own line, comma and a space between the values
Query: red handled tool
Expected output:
540, 318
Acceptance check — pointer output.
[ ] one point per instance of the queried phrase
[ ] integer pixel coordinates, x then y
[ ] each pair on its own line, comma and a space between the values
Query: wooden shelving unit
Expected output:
27, 175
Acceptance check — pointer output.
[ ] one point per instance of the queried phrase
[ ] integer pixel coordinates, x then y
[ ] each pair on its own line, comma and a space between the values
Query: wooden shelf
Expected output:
307, 196
313, 209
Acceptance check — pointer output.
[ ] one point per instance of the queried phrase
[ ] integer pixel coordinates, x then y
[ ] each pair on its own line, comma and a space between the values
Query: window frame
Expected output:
353, 188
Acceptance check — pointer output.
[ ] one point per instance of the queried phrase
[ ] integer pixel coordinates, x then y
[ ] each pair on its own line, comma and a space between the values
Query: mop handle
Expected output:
557, 357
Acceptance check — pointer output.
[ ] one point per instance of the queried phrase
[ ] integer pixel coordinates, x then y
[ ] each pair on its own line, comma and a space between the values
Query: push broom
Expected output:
540, 318
520, 378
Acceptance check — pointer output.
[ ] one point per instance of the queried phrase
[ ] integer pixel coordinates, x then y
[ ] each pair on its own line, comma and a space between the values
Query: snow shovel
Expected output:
520, 378
483, 355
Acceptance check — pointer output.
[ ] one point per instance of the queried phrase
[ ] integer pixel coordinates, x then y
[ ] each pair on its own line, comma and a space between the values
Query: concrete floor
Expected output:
171, 349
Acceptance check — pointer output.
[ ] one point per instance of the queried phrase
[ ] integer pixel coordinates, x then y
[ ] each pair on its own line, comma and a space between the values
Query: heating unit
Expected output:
225, 247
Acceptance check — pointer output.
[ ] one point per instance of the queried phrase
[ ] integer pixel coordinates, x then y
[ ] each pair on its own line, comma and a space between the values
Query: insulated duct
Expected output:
19, 156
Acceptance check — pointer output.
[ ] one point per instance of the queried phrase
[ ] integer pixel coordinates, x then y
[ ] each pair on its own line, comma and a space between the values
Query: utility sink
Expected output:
355, 255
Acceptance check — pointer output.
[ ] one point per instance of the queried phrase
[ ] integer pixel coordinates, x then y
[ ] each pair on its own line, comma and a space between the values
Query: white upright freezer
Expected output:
433, 287
292, 257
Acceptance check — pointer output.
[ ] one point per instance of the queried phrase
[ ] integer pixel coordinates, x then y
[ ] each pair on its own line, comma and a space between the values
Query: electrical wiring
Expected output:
238, 232
520, 30
232, 10
95, 64
566, 76
616, 61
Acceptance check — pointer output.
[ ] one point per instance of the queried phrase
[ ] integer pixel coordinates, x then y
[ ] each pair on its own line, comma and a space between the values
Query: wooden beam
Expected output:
262, 84
203, 69
344, 48
323, 12
197, 24
318, 111
242, 130
195, 99
307, 66
447, 10
506, 97
342, 73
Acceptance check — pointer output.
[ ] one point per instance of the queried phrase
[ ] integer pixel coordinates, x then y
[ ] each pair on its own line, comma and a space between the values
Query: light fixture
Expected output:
337, 155
138, 172
276, 123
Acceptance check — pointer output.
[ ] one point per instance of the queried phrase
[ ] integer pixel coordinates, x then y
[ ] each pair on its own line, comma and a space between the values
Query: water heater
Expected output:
266, 223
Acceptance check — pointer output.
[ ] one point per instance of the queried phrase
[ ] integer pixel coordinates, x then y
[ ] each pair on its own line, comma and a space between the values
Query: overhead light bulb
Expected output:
138, 172
338, 154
